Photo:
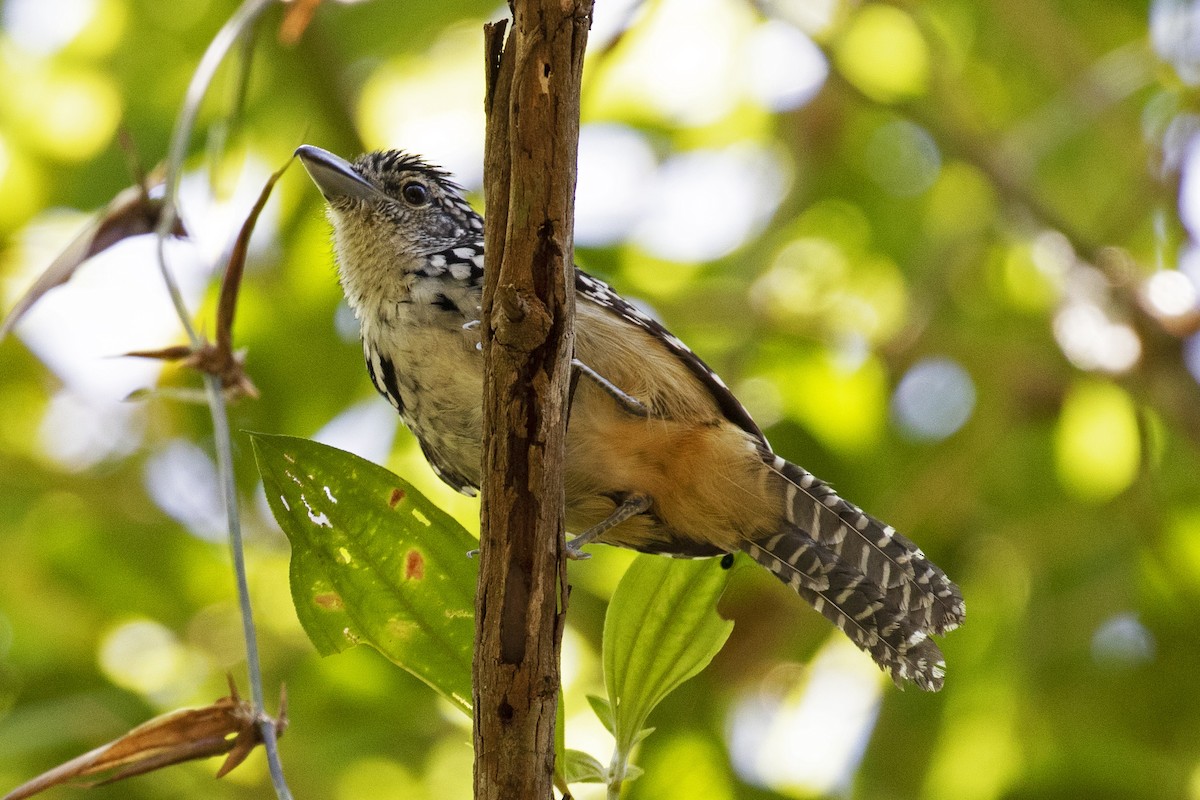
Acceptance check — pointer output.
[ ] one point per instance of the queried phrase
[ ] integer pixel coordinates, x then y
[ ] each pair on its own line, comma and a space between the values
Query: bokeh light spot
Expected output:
884, 54
366, 429
1183, 543
1170, 293
21, 184
430, 104
1092, 341
902, 158
814, 17
686, 765
46, 26
682, 63
704, 204
934, 399
1189, 189
1191, 355
786, 70
833, 284
810, 741
1175, 34
762, 399
68, 115
842, 405
146, 657
182, 480
616, 163
1122, 642
805, 278
960, 203
838, 220
77, 432
1096, 443
1022, 282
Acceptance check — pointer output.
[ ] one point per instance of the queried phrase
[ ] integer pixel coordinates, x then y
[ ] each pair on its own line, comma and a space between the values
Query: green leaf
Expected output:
642, 734
373, 561
603, 711
661, 629
583, 768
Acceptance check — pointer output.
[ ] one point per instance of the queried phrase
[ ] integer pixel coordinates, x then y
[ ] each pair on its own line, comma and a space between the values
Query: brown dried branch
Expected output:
228, 727
132, 212
218, 358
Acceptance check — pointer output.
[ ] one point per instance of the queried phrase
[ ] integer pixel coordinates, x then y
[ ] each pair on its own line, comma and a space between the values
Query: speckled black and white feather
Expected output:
871, 582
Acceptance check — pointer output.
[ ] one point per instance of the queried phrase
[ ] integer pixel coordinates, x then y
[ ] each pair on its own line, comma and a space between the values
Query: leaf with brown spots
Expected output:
373, 561
227, 727
414, 566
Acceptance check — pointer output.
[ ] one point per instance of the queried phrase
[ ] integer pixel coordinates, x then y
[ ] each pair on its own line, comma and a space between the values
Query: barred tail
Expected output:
872, 583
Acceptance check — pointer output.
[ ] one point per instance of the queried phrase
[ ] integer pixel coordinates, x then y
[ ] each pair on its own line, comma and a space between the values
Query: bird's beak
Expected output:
334, 176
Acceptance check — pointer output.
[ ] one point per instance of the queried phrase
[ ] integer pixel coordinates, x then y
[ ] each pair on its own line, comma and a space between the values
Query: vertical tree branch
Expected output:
528, 306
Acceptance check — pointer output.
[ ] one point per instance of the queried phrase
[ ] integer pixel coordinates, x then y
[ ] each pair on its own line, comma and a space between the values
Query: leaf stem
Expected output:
266, 726
616, 771
185, 123
233, 29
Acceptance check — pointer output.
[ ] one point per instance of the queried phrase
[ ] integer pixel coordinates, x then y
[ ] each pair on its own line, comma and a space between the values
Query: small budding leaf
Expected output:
603, 711
373, 561
583, 768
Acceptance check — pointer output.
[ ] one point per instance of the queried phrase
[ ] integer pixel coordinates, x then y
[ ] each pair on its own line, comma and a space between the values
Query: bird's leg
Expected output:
631, 506
628, 402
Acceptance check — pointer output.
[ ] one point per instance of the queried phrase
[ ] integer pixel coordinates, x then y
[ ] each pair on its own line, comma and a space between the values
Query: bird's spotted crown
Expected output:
391, 170
387, 168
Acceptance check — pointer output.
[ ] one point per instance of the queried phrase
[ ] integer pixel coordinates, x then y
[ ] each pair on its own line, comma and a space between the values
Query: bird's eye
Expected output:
415, 194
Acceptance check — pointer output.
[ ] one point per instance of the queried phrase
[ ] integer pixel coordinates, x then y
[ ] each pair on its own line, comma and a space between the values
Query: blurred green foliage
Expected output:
933, 246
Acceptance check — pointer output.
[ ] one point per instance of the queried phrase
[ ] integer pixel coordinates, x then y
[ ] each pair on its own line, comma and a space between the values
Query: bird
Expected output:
661, 457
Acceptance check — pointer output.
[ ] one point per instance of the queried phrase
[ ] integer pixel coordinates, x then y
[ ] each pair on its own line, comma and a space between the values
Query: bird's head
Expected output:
390, 212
